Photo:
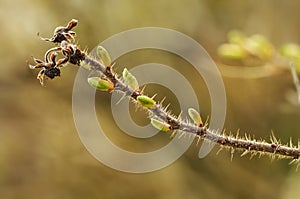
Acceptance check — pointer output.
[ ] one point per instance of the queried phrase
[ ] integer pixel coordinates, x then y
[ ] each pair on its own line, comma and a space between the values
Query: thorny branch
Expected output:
162, 118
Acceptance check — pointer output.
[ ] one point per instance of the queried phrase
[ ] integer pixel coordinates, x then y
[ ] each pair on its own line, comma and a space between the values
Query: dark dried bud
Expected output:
52, 72
77, 57
62, 33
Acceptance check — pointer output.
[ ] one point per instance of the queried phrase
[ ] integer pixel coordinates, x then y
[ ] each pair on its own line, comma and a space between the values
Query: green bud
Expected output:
101, 84
291, 51
146, 101
259, 46
130, 80
103, 56
236, 37
195, 116
160, 125
232, 51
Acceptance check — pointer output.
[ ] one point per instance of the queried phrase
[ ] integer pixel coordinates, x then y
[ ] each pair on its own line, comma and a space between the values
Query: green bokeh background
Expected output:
41, 155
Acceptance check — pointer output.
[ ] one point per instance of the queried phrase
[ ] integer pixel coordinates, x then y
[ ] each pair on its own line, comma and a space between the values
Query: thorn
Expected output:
246, 137
162, 101
223, 132
199, 138
291, 142
123, 96
143, 89
293, 161
231, 154
273, 138
179, 115
245, 153
272, 157
154, 96
237, 134
253, 139
206, 121
169, 113
136, 107
221, 148
261, 140
252, 155
166, 108
173, 134
279, 142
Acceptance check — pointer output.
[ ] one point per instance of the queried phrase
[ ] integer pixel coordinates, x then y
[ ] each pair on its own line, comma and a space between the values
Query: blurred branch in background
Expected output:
296, 79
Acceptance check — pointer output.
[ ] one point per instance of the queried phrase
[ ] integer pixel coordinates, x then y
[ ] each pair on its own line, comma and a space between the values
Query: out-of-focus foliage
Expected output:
40, 152
292, 52
257, 47
242, 47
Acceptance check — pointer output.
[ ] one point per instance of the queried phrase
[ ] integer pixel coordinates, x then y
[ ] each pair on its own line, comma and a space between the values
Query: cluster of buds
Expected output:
103, 83
257, 49
163, 126
243, 48
64, 37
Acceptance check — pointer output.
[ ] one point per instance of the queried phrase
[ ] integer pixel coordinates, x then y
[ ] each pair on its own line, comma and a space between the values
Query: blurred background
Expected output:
41, 154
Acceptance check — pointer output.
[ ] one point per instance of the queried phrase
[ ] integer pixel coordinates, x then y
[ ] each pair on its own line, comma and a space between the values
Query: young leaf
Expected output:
291, 51
160, 125
146, 101
232, 51
101, 84
103, 56
260, 46
236, 37
195, 116
130, 80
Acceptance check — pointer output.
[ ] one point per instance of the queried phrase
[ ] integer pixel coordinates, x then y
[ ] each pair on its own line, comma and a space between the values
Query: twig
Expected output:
295, 79
163, 118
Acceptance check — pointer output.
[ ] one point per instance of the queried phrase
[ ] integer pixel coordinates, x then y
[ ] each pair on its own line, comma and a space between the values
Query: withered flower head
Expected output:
62, 33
